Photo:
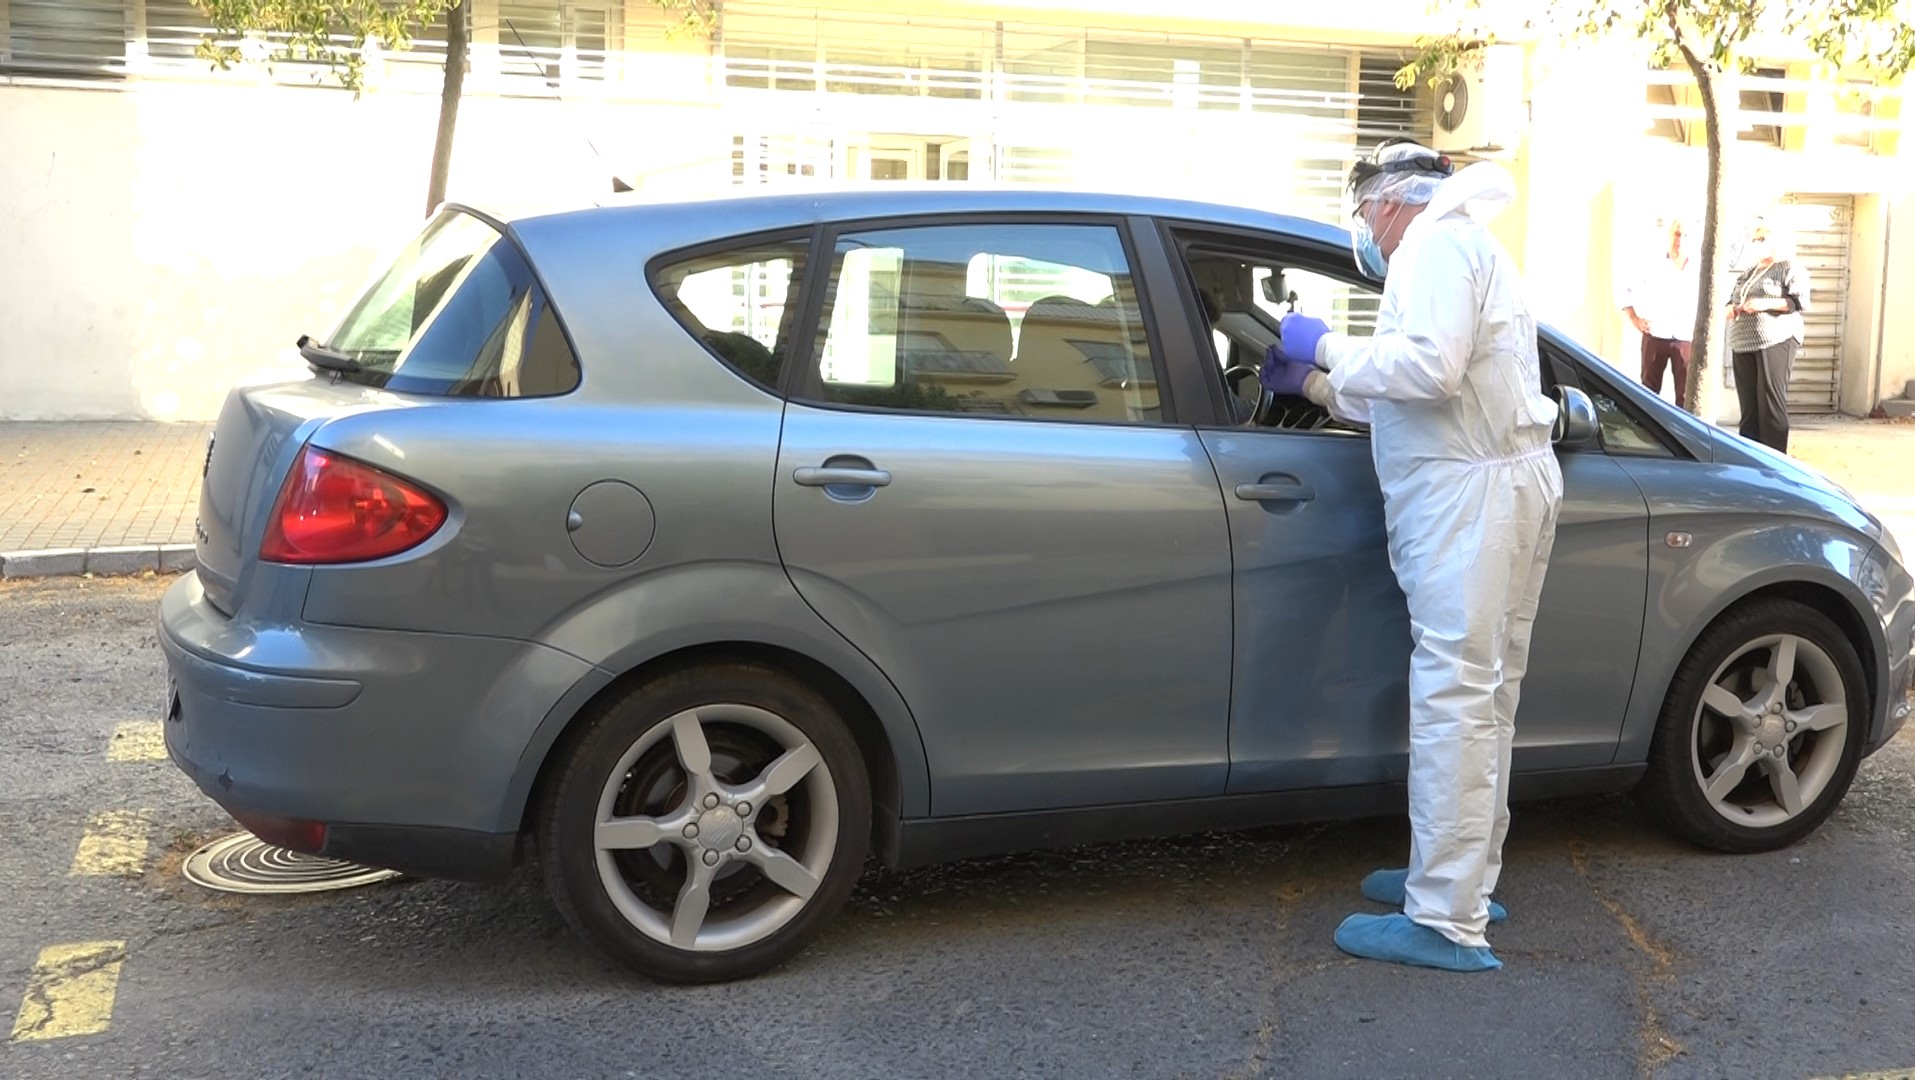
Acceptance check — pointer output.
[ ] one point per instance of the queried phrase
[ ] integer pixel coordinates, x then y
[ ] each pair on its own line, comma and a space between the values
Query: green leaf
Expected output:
307, 30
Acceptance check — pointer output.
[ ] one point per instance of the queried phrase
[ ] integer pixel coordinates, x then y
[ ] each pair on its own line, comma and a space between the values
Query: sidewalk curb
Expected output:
60, 562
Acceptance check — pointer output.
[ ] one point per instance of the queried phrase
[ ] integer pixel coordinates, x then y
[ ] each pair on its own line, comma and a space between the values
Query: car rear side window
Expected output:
459, 314
739, 302
1039, 321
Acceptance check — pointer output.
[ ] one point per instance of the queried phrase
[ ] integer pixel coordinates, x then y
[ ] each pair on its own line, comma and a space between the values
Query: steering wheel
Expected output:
1238, 371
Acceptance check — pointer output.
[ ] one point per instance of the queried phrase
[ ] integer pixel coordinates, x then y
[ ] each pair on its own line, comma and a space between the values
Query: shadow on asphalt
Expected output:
457, 931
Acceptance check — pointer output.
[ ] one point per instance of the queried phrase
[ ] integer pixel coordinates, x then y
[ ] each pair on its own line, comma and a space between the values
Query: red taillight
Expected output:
334, 510
293, 834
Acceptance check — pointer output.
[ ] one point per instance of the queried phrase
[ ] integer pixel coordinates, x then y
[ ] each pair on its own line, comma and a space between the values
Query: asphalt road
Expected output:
1627, 954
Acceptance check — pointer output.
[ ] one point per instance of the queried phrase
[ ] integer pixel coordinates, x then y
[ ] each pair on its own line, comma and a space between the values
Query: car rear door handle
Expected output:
1276, 492
835, 476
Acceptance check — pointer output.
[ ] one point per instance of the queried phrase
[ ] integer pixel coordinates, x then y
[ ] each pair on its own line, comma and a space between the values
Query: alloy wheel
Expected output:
1769, 732
716, 827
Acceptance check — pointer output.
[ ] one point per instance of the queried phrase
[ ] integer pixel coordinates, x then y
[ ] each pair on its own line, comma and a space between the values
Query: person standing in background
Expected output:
1661, 305
1765, 333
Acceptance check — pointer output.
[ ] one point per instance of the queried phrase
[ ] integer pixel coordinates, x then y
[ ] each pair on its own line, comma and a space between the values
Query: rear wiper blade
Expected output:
320, 356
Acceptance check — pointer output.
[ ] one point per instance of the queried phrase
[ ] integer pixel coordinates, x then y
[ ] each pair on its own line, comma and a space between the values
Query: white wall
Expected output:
68, 280
165, 242
1859, 336
1575, 152
1896, 363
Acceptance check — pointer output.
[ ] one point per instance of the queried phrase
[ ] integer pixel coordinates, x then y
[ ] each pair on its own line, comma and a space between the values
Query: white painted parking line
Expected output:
1891, 1074
71, 991
137, 740
114, 845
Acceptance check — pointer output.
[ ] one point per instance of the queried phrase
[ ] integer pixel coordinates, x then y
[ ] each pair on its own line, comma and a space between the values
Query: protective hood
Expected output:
1483, 190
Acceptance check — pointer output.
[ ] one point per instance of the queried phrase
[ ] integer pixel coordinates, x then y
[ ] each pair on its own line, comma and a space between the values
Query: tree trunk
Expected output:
1710, 329
449, 95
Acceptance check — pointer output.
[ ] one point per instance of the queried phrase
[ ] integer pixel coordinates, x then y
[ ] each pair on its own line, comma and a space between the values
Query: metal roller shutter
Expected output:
73, 38
1821, 225
174, 29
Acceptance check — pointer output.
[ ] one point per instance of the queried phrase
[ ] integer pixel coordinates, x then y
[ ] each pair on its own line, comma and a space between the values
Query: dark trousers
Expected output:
1762, 386
1659, 353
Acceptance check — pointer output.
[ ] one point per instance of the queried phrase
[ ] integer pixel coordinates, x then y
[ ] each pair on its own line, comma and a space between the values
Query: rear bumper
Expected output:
404, 745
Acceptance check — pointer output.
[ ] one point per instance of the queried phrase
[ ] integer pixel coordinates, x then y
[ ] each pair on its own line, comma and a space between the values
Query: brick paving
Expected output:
99, 484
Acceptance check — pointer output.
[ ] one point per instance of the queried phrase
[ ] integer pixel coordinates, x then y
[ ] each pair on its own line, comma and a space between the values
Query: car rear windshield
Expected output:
459, 314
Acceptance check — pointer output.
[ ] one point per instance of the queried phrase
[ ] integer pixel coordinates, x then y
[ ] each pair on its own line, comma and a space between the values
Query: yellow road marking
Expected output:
71, 992
137, 740
114, 845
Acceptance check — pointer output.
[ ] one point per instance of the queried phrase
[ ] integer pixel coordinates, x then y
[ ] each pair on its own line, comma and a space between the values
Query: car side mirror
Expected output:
1576, 424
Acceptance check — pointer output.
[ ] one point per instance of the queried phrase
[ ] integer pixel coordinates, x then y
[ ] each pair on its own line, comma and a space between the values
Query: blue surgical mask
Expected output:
1369, 256
1363, 243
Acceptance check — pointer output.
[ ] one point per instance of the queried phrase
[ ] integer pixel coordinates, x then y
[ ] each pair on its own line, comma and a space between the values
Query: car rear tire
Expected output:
1761, 732
705, 825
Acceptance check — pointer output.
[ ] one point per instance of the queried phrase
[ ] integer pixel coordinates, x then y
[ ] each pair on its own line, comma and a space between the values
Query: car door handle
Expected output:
835, 476
1276, 492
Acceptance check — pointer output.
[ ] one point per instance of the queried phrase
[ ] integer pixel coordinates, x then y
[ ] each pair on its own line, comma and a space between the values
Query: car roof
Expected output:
749, 209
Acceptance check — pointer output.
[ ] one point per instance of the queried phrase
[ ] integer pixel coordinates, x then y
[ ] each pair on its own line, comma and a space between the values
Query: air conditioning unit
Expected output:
1480, 109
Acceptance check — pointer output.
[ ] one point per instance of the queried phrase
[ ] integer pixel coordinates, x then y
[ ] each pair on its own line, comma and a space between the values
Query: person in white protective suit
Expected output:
1461, 436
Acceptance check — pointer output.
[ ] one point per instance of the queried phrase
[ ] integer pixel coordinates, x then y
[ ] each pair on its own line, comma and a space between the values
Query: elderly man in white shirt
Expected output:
1661, 305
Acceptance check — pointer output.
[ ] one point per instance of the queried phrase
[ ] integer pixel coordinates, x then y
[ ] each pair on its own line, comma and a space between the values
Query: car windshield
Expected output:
458, 314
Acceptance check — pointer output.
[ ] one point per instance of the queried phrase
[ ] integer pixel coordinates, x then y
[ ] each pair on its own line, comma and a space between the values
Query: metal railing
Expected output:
821, 76
1819, 103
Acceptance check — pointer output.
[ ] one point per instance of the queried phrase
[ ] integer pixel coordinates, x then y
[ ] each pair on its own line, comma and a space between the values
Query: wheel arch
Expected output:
1815, 587
1842, 613
1678, 787
875, 744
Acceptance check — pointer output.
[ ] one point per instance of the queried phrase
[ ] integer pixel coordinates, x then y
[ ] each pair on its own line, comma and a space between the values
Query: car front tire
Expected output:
1761, 732
705, 825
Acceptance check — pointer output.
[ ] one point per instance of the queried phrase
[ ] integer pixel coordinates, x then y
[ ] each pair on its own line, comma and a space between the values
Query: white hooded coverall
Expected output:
1460, 431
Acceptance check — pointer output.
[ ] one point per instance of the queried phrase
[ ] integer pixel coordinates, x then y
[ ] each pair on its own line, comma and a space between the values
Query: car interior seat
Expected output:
745, 353
952, 335
1079, 356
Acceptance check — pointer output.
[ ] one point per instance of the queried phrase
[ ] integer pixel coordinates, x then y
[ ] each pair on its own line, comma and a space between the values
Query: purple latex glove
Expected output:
1300, 334
1282, 375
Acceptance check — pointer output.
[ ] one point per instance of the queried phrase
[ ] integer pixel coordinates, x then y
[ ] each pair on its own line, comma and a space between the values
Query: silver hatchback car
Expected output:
712, 547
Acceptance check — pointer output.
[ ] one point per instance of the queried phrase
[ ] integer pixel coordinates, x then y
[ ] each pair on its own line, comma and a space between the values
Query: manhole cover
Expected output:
243, 863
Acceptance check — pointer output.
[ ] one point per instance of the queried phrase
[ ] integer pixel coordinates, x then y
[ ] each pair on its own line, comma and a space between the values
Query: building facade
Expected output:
172, 229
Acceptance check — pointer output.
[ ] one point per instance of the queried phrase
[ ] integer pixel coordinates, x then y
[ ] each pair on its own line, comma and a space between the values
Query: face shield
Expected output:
1382, 190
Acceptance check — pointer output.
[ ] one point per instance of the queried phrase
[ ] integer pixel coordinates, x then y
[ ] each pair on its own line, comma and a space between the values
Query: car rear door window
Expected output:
740, 301
458, 314
1038, 321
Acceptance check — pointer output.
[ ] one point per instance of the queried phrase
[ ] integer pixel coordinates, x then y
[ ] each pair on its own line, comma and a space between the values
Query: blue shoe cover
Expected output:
1398, 940
1386, 887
